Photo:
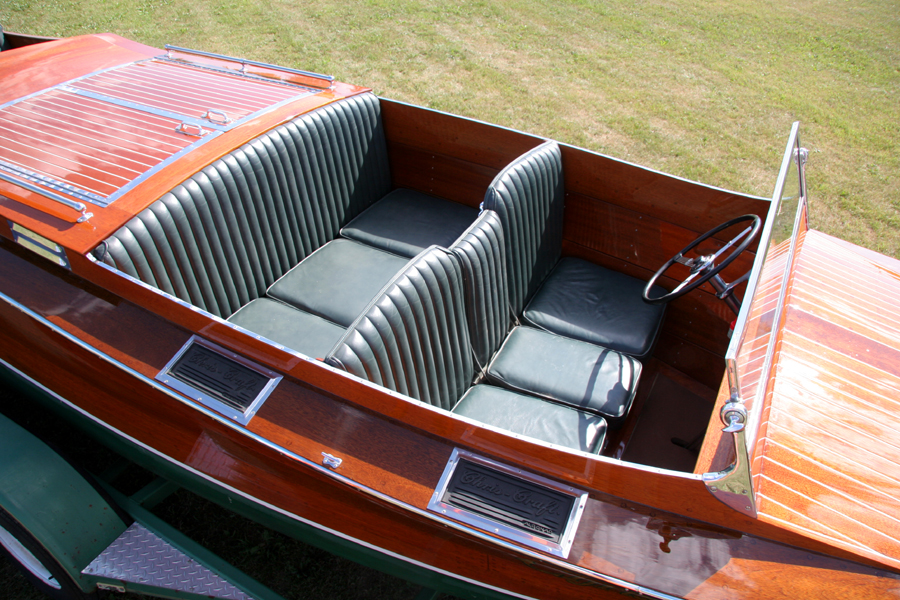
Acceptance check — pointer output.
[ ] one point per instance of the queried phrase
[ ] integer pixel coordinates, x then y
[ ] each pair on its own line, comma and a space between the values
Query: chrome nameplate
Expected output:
510, 502
220, 379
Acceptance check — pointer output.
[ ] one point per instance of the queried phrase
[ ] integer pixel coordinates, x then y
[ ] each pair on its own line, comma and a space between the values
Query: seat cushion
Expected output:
588, 302
568, 371
288, 326
405, 222
534, 417
338, 280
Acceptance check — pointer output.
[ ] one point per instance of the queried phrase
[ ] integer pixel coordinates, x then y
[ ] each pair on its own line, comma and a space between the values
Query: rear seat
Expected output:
414, 339
235, 238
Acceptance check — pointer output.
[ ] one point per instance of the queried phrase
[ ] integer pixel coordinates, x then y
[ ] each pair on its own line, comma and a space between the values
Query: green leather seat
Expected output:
405, 222
414, 339
611, 313
306, 333
221, 238
531, 361
338, 280
567, 371
577, 298
527, 415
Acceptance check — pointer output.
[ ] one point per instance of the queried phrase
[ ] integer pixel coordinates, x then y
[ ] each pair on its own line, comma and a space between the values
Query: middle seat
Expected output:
529, 360
413, 338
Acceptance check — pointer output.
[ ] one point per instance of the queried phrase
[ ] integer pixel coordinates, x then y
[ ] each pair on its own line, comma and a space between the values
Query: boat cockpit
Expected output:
311, 238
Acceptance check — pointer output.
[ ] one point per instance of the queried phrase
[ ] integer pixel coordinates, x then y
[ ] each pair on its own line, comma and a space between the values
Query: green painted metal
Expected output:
224, 569
53, 502
265, 515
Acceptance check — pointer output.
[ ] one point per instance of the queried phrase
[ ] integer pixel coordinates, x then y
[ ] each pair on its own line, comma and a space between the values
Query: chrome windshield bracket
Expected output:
734, 486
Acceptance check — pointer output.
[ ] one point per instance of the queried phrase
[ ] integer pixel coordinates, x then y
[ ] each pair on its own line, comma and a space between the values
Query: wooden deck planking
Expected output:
828, 462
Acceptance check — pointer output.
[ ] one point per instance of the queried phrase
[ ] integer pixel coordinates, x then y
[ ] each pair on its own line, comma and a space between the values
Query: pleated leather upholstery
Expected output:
483, 258
413, 338
528, 195
222, 237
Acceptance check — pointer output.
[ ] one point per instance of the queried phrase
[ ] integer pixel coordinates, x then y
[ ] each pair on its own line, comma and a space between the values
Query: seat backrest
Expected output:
482, 254
222, 237
528, 196
413, 338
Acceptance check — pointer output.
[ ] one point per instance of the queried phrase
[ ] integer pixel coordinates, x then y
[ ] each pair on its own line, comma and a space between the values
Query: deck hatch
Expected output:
515, 504
219, 379
97, 137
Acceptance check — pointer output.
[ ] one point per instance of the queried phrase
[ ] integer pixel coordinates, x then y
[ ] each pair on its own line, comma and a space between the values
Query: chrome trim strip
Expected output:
613, 581
244, 61
145, 108
160, 166
79, 206
197, 144
66, 188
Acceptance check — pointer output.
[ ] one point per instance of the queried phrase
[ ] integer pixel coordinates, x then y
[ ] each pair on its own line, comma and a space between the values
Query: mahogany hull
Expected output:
99, 352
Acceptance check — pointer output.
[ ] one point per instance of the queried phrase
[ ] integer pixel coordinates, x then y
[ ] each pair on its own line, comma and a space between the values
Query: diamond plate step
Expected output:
141, 556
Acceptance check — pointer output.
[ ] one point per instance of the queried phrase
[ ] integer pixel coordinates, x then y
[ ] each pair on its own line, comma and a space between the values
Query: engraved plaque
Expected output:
220, 379
513, 501
510, 502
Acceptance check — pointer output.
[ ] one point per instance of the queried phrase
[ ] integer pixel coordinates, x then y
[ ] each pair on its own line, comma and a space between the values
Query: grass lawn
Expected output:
705, 90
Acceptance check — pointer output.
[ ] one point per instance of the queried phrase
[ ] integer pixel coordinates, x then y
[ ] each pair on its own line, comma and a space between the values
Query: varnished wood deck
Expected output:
827, 463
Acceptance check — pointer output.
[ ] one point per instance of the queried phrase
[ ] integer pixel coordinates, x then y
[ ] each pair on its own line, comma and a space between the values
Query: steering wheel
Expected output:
703, 268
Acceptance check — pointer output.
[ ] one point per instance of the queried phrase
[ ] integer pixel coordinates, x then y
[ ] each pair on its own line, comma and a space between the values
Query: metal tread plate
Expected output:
141, 556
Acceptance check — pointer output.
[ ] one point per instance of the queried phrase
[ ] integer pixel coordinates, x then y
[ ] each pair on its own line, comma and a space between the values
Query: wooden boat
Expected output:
278, 290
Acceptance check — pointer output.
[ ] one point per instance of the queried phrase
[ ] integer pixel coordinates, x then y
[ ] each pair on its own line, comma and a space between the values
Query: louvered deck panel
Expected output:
187, 90
90, 144
829, 461
93, 138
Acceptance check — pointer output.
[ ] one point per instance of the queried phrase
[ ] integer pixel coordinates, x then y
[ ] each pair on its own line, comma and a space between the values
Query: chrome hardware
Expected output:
331, 461
734, 486
244, 63
183, 128
802, 154
569, 501
222, 116
225, 373
79, 206
39, 245
734, 415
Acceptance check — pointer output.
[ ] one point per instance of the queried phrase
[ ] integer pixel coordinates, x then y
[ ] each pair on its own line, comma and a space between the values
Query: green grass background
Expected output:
702, 90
